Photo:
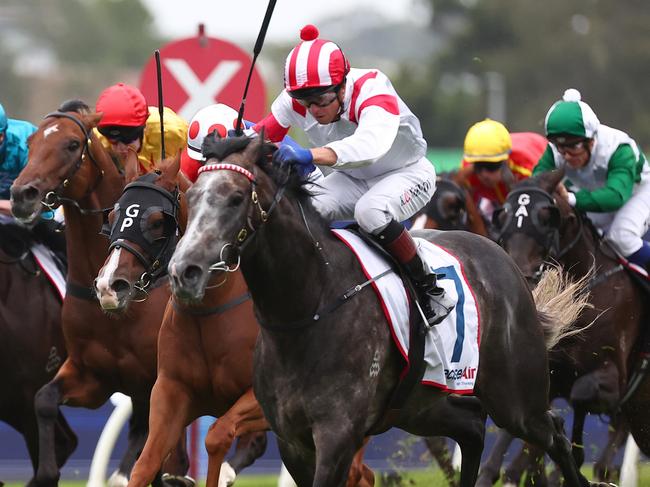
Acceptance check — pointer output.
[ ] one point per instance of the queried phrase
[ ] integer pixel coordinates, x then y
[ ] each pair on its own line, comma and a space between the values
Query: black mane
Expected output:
215, 147
74, 105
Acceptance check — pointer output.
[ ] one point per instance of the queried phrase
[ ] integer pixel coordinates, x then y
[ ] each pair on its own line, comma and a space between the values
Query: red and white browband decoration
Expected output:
228, 167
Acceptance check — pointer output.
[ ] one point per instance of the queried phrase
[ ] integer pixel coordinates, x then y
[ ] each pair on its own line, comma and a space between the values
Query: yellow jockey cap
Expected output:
487, 141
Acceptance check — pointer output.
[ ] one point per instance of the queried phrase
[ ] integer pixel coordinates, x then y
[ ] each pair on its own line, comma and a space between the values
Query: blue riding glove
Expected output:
291, 153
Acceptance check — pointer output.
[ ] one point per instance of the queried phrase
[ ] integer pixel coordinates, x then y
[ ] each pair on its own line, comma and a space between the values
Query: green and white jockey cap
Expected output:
570, 117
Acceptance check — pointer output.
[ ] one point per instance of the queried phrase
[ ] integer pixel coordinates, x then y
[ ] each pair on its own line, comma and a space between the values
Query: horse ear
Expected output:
131, 166
549, 180
171, 166
254, 149
92, 119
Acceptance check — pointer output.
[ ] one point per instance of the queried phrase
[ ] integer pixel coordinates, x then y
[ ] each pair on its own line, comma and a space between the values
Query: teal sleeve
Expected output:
546, 162
621, 173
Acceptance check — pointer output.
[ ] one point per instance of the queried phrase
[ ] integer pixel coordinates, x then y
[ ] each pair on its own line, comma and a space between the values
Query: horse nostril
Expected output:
192, 274
30, 194
120, 286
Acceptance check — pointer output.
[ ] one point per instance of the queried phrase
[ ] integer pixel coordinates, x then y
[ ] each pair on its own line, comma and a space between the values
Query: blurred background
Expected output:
454, 62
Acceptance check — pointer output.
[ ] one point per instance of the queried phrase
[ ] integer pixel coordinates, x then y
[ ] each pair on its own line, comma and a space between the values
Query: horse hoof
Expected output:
227, 475
170, 480
117, 479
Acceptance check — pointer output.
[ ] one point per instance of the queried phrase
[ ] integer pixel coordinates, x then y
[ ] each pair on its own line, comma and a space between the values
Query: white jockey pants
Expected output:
374, 202
626, 227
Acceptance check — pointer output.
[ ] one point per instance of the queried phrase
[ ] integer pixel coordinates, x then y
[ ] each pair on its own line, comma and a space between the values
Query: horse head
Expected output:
143, 229
64, 162
447, 209
535, 223
231, 199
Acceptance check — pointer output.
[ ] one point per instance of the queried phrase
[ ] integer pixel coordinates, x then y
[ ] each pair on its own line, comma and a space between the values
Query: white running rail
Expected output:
108, 438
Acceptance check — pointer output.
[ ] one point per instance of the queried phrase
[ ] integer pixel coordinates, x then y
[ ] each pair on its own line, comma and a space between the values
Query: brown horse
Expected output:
205, 349
451, 208
29, 308
68, 165
538, 225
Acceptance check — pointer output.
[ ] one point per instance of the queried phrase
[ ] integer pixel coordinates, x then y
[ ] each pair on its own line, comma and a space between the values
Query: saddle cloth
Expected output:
45, 259
452, 346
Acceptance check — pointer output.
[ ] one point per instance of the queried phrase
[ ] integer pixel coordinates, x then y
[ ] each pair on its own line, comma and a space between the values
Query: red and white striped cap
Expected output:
314, 63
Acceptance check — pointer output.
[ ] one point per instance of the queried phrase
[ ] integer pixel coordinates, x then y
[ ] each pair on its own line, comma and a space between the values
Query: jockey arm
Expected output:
621, 173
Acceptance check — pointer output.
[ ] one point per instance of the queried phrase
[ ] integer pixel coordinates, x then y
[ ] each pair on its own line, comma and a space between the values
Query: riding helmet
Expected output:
571, 117
487, 141
314, 66
123, 105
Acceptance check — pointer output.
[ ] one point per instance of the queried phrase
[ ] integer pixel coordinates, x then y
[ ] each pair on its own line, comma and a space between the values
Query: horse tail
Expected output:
559, 302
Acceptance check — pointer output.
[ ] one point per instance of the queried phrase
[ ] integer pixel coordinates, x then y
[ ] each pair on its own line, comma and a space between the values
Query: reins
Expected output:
54, 198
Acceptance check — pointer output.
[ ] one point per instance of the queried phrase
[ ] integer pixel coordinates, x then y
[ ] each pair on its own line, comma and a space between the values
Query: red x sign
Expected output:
200, 71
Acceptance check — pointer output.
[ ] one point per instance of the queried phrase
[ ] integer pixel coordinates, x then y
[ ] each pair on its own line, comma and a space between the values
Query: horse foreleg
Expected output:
335, 453
168, 416
604, 471
577, 443
69, 386
490, 470
249, 448
245, 416
360, 474
530, 459
437, 446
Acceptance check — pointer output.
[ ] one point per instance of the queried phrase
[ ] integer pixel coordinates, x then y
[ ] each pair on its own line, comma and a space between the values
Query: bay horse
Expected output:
31, 341
313, 368
536, 226
205, 348
67, 165
451, 208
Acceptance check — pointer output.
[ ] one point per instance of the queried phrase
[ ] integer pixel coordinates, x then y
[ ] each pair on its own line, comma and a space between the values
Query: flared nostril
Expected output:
192, 274
120, 286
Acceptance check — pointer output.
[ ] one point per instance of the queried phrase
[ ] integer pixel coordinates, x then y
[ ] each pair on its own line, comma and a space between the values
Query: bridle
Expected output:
54, 198
154, 262
249, 229
522, 216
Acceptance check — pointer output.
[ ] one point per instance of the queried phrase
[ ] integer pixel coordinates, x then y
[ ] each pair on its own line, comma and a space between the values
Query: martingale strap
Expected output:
215, 310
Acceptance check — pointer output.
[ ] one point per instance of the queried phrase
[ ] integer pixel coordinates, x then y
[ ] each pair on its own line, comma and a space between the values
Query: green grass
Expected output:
420, 478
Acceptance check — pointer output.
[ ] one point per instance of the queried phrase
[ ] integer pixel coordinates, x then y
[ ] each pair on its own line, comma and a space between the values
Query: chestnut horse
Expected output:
313, 356
68, 165
537, 225
205, 348
31, 341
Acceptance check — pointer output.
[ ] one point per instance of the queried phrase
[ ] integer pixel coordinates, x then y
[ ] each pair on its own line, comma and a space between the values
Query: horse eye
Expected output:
236, 199
73, 145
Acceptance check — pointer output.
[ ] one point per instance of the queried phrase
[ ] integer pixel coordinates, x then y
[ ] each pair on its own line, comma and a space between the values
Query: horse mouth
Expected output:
24, 216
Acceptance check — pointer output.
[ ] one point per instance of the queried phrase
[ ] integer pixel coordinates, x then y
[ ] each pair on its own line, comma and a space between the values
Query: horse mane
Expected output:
220, 148
74, 105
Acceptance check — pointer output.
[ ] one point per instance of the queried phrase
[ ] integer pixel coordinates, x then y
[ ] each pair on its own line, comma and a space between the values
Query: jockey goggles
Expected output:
487, 166
321, 101
572, 147
120, 133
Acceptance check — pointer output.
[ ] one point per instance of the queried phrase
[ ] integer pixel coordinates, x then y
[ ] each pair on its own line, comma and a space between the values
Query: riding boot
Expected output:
433, 299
